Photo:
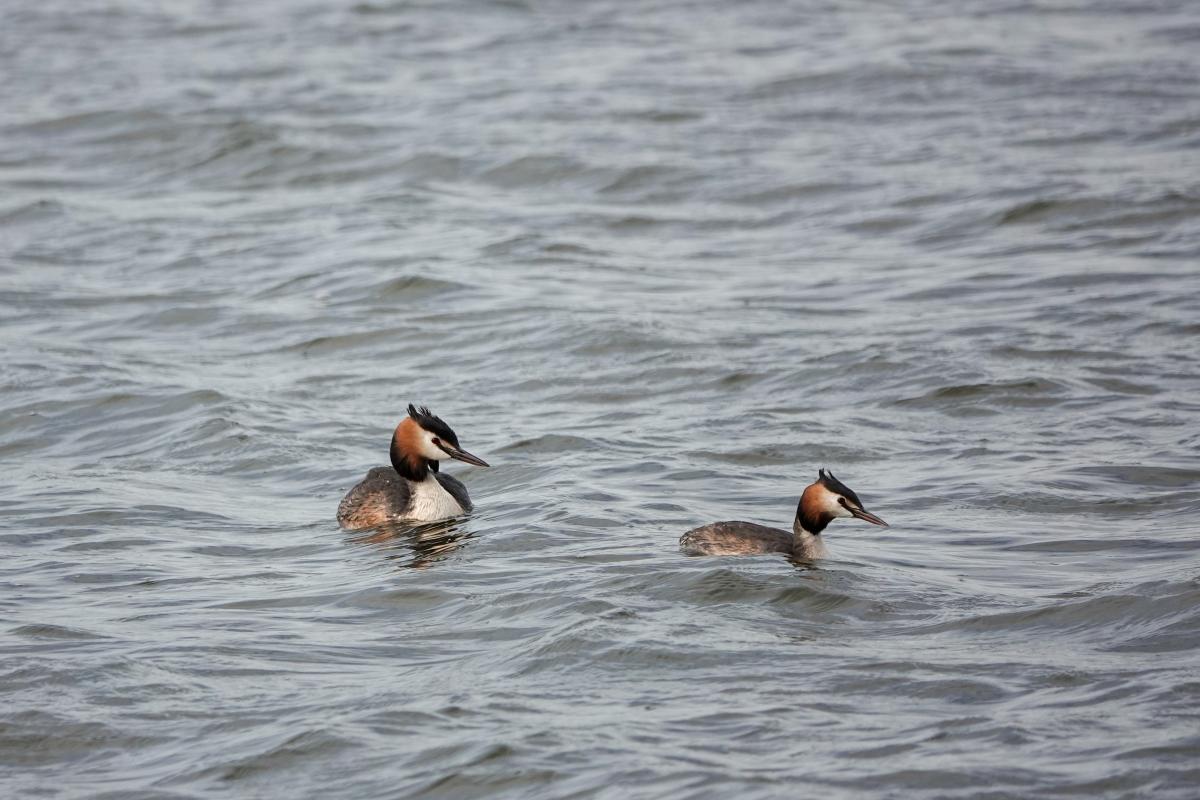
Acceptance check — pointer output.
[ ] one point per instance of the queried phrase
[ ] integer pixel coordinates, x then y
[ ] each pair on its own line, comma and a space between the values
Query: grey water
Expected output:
657, 263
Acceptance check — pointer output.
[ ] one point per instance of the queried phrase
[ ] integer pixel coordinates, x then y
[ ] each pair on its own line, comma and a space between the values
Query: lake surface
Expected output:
657, 263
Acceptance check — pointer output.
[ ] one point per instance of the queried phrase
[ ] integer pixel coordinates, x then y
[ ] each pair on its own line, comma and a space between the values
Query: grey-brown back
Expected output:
380, 497
735, 538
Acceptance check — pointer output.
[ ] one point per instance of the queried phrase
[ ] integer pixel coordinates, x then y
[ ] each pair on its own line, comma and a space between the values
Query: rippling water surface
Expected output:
657, 263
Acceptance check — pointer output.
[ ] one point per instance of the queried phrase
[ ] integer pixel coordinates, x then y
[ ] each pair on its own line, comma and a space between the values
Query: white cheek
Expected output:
429, 449
834, 507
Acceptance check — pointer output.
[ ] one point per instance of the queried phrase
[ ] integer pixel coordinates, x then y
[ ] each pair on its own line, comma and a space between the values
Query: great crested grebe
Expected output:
821, 503
412, 489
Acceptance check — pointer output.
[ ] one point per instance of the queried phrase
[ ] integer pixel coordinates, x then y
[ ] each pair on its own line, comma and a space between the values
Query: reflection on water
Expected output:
413, 546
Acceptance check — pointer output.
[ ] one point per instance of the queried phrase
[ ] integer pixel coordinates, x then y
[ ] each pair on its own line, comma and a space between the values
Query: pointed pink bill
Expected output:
867, 516
463, 455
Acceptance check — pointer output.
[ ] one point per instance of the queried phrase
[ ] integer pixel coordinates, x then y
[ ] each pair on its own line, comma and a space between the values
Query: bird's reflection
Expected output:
413, 546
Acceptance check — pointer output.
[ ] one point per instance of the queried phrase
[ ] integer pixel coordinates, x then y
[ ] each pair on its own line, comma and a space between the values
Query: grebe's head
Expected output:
421, 440
828, 499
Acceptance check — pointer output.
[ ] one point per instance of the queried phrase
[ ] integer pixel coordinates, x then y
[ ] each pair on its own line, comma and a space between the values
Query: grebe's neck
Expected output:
410, 466
805, 545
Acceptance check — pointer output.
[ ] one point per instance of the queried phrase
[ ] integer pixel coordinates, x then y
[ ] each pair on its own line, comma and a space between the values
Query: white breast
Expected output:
429, 502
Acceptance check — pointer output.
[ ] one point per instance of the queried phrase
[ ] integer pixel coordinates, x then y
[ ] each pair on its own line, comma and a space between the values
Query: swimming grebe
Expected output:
411, 489
821, 503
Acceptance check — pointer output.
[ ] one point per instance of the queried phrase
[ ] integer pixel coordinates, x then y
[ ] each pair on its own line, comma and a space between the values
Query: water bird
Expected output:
411, 489
822, 502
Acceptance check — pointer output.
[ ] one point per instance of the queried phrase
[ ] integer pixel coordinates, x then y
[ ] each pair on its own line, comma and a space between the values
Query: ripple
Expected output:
982, 397
657, 268
53, 633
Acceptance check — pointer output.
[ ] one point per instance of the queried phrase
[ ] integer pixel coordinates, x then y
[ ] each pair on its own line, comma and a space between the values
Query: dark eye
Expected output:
842, 500
437, 441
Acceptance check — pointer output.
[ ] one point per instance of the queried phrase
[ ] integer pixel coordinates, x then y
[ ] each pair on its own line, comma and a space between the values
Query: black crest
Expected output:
432, 423
831, 483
